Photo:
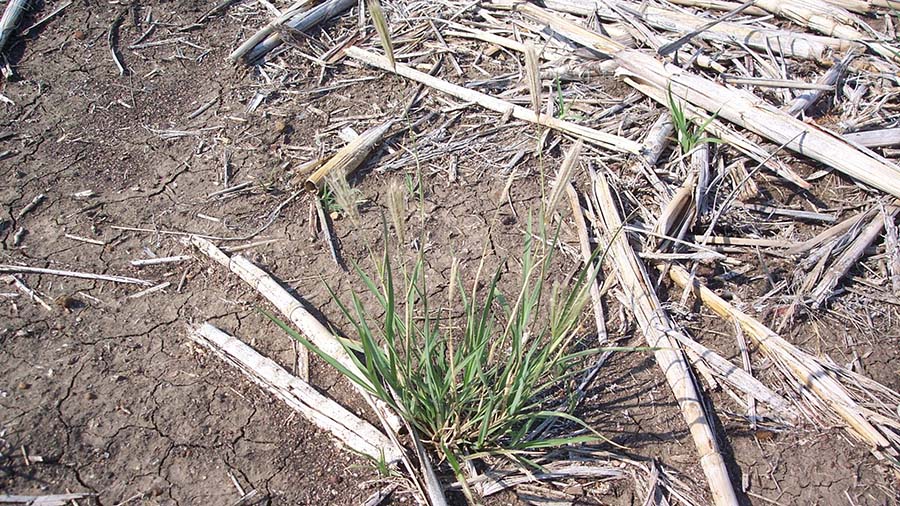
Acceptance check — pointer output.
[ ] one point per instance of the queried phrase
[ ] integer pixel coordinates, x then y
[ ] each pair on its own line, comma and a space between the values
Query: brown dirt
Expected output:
107, 389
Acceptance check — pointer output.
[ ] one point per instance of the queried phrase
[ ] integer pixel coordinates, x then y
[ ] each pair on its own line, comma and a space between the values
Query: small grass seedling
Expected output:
689, 136
562, 108
326, 196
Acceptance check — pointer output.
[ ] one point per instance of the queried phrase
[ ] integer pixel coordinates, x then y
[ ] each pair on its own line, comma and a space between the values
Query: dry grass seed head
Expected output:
345, 197
396, 201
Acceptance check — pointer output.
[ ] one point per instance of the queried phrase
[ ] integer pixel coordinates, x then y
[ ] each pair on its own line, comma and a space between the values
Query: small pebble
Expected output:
79, 35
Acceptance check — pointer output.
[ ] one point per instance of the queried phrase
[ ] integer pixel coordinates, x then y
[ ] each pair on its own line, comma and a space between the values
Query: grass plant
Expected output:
481, 385
689, 136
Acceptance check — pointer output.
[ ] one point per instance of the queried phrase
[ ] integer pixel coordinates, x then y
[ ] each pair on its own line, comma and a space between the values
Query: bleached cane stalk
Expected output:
584, 244
657, 328
737, 106
597, 137
718, 5
877, 429
850, 257
9, 20
803, 101
15, 269
350, 157
875, 138
679, 213
262, 33
784, 42
301, 21
322, 338
829, 19
289, 306
726, 134
533, 76
751, 112
859, 6
328, 415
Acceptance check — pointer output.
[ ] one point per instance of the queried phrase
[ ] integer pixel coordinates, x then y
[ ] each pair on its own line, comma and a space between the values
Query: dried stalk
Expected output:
468, 32
302, 22
849, 257
357, 434
739, 378
654, 144
584, 244
112, 36
751, 112
14, 269
657, 327
699, 165
828, 19
860, 6
44, 500
580, 35
776, 83
350, 157
327, 342
25, 289
787, 43
153, 289
875, 138
741, 108
600, 43
160, 260
31, 205
719, 5
829, 233
597, 300
295, 9
877, 430
11, 14
286, 304
892, 249
805, 100
678, 215
597, 137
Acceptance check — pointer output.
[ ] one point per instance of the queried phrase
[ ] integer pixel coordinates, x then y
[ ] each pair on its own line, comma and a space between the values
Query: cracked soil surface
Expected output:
108, 391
